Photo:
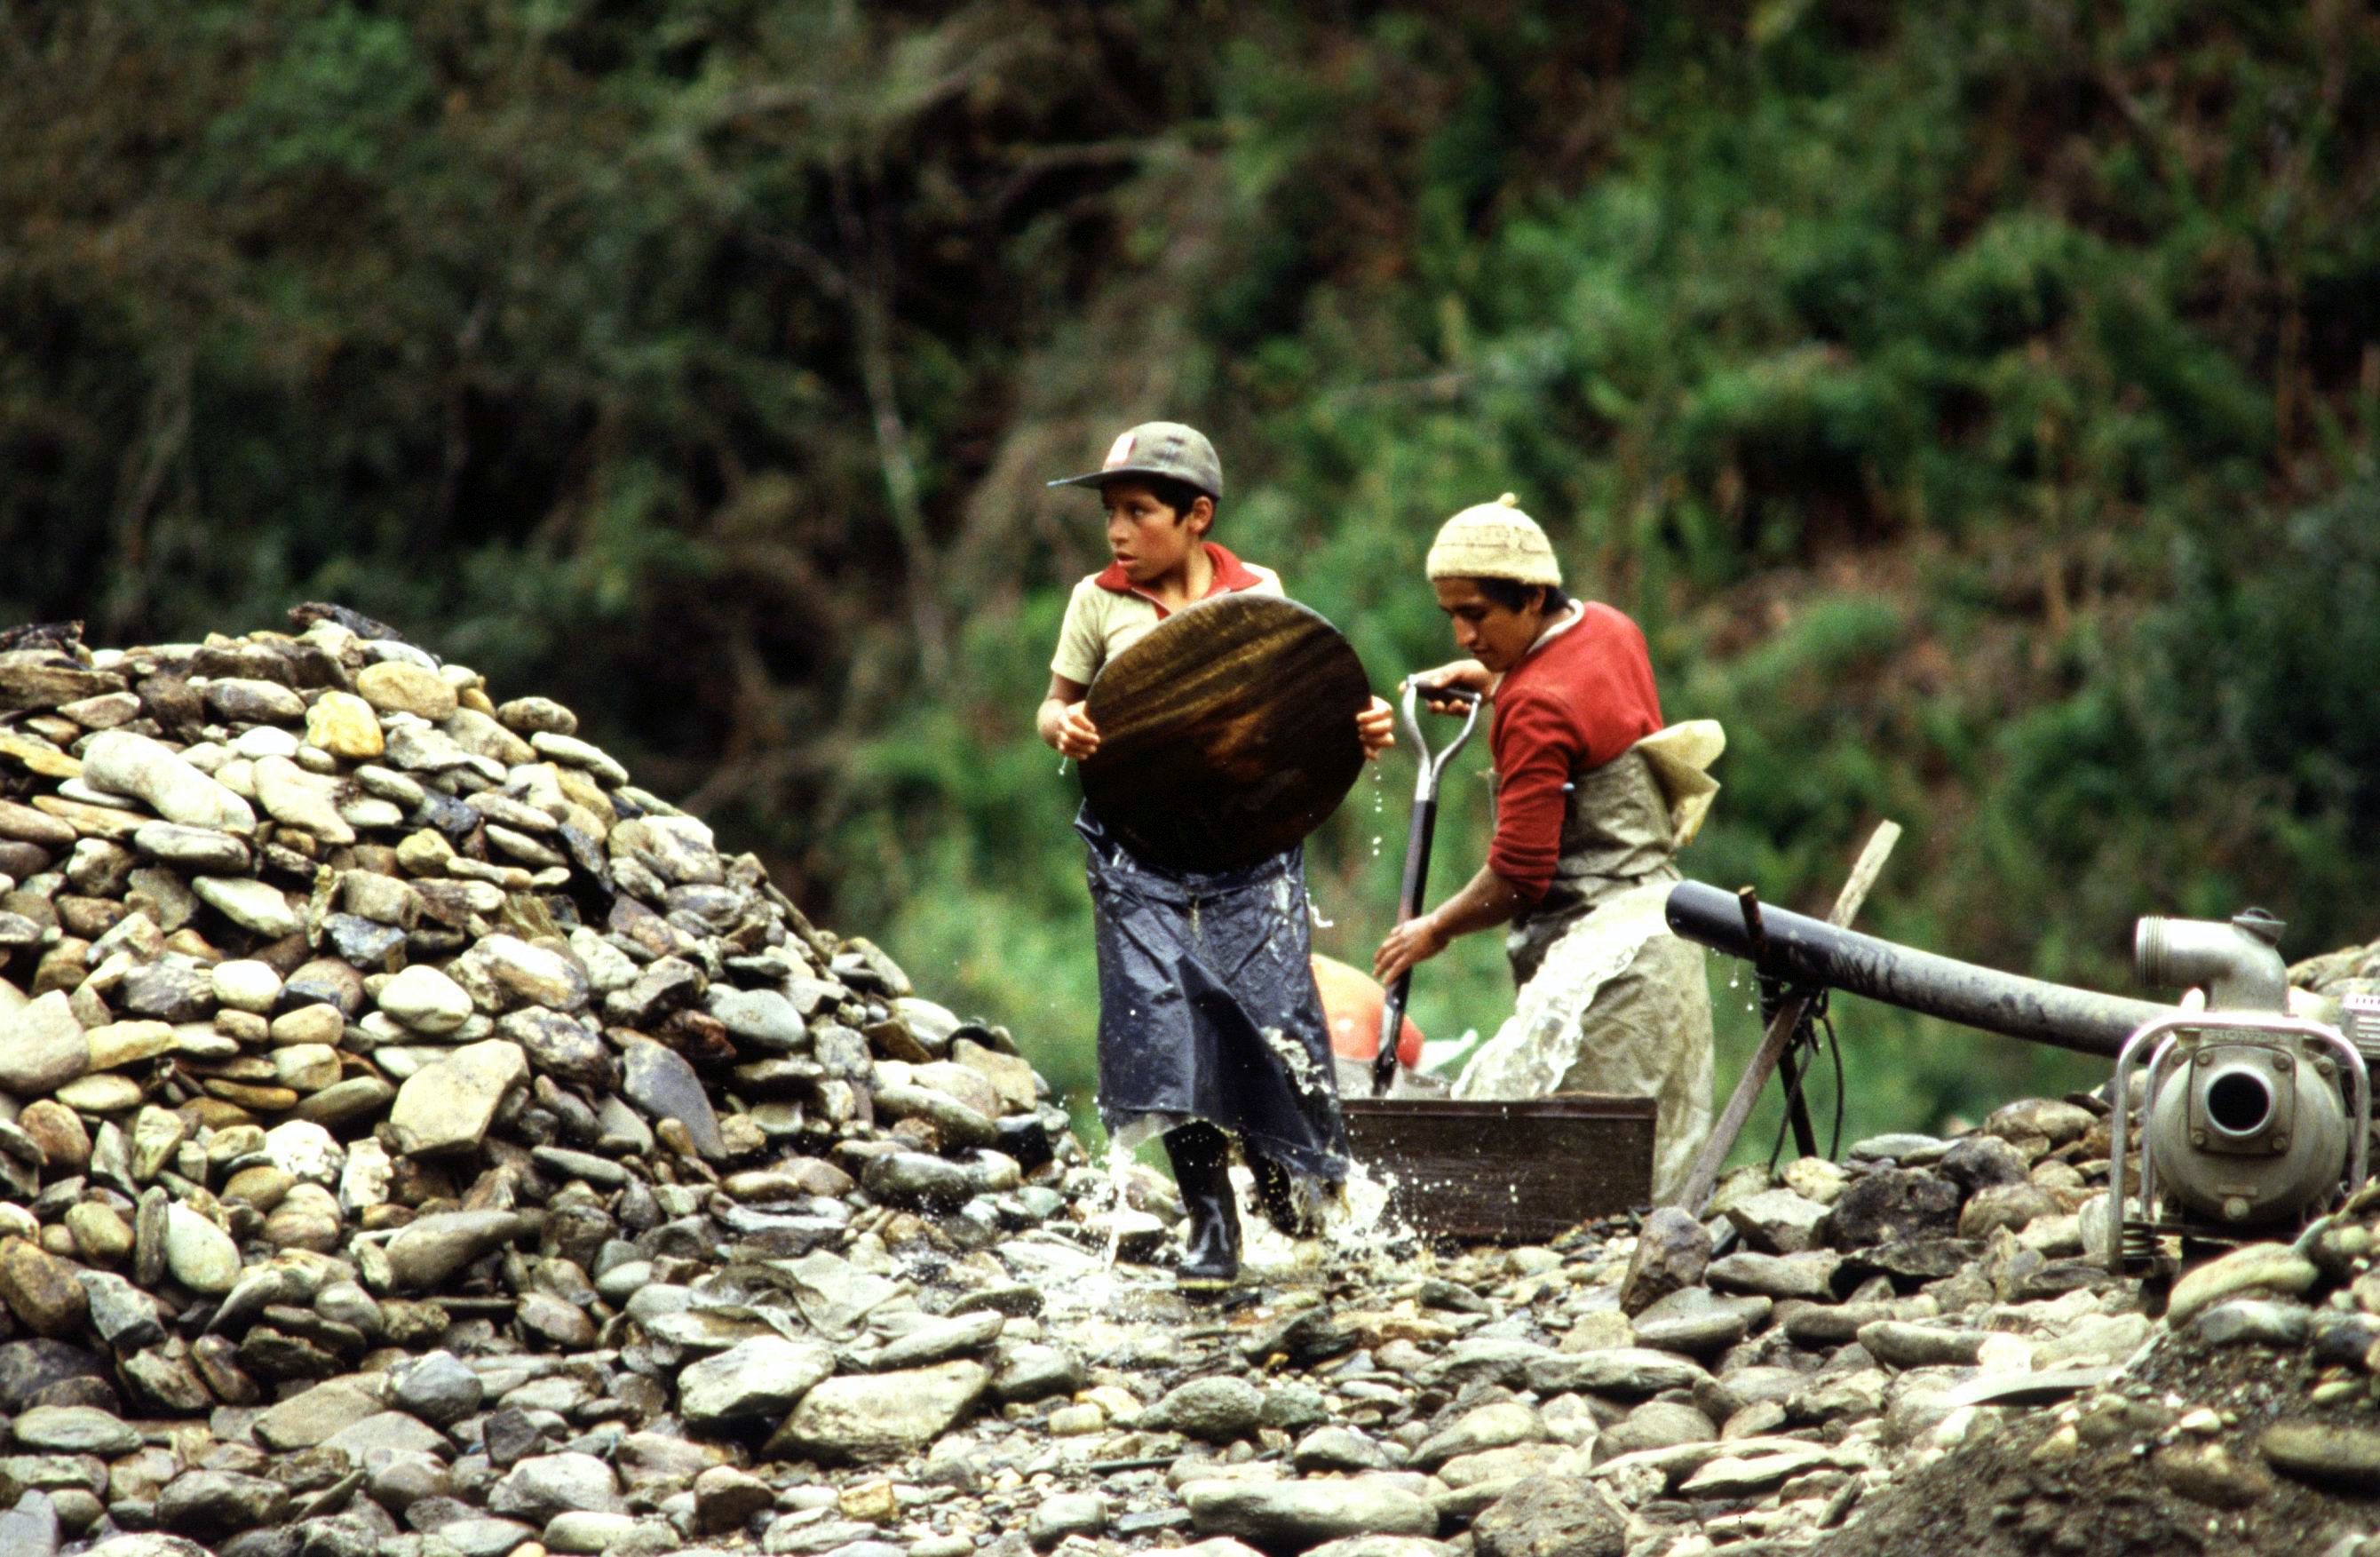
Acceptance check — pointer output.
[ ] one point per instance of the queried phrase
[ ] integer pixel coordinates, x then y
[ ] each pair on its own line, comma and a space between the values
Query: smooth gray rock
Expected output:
1699, 1322
2254, 1321
259, 907
1217, 1409
658, 1080
544, 1485
1899, 1344
1776, 1221
1493, 1426
426, 1000
762, 1018
1809, 1276
123, 764
1292, 1516
74, 1430
210, 1504
753, 1380
882, 1416
434, 1248
1555, 1517
438, 1388
941, 1340
204, 851
2325, 1453
42, 1047
1061, 1514
201, 1255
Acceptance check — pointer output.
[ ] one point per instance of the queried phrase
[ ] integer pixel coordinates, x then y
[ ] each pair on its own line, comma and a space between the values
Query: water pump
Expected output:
2249, 1118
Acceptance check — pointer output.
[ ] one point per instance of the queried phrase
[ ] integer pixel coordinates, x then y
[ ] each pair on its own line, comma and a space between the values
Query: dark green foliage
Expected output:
1976, 404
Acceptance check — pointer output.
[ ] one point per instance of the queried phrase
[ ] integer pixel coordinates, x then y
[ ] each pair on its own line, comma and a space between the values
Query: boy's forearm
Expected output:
1045, 722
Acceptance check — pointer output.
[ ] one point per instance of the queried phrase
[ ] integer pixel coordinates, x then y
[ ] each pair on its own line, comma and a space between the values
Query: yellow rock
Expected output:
393, 687
105, 1092
871, 1502
344, 726
123, 1043
39, 756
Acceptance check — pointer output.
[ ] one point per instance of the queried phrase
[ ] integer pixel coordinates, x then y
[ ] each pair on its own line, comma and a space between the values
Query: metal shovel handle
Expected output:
1417, 843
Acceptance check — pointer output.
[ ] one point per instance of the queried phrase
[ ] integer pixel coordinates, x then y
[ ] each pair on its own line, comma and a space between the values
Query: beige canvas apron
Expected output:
1609, 999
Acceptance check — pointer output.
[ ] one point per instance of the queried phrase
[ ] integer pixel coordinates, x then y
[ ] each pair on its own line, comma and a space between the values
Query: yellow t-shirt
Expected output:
1103, 619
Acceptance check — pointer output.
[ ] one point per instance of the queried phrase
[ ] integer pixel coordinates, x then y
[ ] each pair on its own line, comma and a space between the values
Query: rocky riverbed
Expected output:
419, 1140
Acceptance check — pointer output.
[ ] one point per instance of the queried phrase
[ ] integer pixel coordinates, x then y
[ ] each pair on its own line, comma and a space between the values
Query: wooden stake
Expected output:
1697, 1191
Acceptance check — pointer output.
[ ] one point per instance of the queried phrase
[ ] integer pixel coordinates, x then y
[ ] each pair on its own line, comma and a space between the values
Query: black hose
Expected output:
1802, 950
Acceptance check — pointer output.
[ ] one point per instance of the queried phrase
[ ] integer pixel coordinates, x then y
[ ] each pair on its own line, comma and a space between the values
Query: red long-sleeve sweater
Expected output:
1578, 700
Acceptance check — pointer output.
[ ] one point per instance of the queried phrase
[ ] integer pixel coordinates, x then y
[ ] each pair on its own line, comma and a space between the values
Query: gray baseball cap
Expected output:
1159, 448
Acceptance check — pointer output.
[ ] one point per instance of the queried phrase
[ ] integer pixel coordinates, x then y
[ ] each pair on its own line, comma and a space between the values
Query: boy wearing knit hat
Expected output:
1594, 797
1212, 1065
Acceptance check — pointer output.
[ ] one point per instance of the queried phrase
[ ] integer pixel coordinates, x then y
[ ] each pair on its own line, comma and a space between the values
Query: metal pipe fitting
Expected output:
2237, 962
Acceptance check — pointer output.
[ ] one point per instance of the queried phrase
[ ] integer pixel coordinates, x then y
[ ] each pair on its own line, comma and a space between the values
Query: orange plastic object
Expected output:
1350, 1004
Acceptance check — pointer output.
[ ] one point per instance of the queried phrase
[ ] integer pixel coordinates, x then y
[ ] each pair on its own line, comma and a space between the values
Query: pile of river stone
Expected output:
417, 1140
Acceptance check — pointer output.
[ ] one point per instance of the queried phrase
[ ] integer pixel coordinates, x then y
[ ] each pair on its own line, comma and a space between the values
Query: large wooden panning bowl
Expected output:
1226, 735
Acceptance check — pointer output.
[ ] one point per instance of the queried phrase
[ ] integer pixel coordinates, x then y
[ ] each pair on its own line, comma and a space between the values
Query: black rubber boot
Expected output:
1211, 1257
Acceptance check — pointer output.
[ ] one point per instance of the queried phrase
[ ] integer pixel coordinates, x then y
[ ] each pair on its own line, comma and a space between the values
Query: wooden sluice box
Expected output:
1515, 1171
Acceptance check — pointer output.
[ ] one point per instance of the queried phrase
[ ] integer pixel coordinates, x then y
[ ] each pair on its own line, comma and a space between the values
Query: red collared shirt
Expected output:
1582, 696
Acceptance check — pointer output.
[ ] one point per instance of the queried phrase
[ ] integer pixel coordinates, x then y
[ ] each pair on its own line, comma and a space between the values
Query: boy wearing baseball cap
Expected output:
1593, 798
1213, 1068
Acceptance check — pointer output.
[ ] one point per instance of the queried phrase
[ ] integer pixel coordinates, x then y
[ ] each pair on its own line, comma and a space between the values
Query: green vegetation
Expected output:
1977, 405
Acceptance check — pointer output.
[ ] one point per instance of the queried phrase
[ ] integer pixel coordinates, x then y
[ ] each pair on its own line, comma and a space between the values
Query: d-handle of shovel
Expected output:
1417, 842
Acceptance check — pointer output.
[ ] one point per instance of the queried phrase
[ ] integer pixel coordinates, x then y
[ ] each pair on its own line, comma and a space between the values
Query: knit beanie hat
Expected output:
1494, 541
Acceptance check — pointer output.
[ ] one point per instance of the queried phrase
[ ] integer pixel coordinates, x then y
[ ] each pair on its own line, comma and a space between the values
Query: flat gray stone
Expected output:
752, 1380
881, 1417
1292, 1516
